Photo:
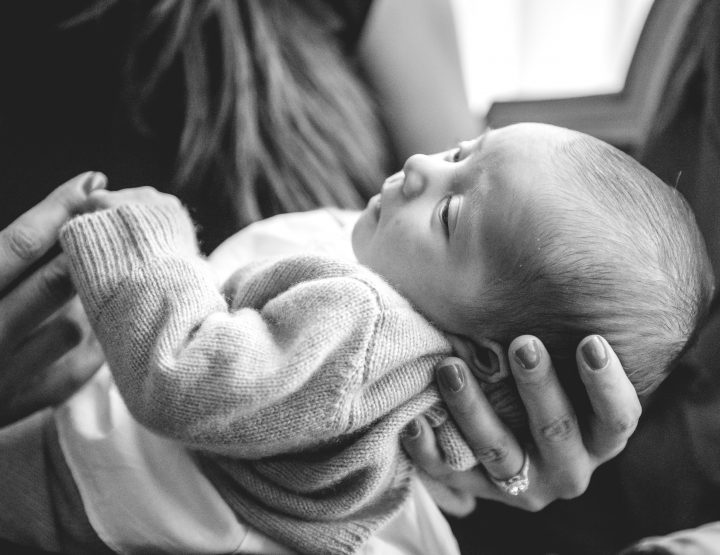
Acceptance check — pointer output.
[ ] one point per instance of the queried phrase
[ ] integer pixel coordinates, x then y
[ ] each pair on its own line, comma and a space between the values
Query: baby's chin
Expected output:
355, 240
362, 234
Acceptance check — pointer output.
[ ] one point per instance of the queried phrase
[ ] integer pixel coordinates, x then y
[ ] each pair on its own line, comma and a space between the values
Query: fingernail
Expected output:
528, 355
96, 181
594, 353
451, 377
412, 430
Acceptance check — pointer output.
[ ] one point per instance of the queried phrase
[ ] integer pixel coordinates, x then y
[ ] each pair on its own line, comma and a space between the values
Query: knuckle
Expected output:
538, 378
623, 425
69, 199
70, 196
614, 451
574, 486
495, 454
534, 504
69, 188
558, 430
24, 242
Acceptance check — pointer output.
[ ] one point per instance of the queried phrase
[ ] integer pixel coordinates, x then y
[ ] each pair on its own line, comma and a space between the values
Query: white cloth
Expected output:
140, 489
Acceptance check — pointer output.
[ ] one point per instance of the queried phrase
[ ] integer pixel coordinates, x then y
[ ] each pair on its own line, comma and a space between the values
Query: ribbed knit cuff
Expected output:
104, 246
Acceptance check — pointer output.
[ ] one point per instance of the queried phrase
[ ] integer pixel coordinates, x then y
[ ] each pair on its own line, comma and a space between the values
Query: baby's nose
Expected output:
414, 183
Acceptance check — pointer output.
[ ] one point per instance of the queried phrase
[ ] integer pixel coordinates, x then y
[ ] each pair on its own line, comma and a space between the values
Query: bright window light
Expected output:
531, 49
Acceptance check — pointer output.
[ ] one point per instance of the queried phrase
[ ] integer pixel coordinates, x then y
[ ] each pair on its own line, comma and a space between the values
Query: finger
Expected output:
421, 446
34, 299
538, 495
51, 377
491, 441
23, 375
615, 404
74, 368
476, 483
552, 419
103, 199
137, 195
50, 386
419, 441
25, 240
41, 349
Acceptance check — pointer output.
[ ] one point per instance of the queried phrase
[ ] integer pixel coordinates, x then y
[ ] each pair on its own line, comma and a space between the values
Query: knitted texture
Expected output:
292, 383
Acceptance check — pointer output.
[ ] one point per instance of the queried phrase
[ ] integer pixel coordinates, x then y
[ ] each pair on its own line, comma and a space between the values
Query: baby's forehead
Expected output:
519, 169
523, 172
521, 195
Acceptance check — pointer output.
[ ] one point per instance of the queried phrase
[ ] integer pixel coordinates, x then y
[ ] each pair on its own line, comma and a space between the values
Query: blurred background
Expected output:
519, 49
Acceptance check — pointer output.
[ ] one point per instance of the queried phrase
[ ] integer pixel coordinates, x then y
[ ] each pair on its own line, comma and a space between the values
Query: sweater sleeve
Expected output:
263, 372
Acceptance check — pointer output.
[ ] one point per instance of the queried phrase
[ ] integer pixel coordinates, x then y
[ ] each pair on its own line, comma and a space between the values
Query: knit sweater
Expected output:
291, 383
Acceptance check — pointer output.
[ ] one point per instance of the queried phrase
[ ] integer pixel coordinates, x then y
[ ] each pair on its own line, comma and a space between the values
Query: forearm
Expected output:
409, 50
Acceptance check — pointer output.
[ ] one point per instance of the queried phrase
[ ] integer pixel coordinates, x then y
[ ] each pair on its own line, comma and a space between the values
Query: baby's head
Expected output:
540, 230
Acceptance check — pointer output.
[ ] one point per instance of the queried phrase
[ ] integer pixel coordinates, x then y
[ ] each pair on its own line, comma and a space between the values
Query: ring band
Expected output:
515, 485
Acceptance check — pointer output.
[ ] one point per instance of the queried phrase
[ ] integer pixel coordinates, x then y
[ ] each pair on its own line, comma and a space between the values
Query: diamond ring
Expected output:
515, 485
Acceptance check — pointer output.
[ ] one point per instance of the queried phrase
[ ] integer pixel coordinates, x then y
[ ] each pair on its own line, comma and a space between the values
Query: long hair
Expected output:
275, 116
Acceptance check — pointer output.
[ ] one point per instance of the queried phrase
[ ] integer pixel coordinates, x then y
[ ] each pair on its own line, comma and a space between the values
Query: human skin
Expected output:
46, 347
409, 52
562, 458
443, 227
46, 356
400, 77
408, 240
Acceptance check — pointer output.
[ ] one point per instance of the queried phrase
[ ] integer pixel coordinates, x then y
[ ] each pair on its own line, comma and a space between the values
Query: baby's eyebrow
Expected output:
477, 150
490, 157
478, 142
482, 138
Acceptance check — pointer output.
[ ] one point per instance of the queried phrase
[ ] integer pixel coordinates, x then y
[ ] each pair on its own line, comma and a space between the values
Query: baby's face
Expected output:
441, 228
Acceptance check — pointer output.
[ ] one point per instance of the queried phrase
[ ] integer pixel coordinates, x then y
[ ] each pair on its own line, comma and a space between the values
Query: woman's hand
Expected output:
101, 199
46, 348
562, 457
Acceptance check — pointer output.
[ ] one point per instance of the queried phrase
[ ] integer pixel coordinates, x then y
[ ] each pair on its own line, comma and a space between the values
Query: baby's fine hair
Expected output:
619, 255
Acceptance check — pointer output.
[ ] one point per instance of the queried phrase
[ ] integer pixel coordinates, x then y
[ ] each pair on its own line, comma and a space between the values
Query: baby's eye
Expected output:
444, 213
456, 155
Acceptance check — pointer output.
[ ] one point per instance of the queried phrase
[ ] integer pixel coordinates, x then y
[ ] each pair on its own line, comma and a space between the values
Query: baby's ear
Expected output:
486, 358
